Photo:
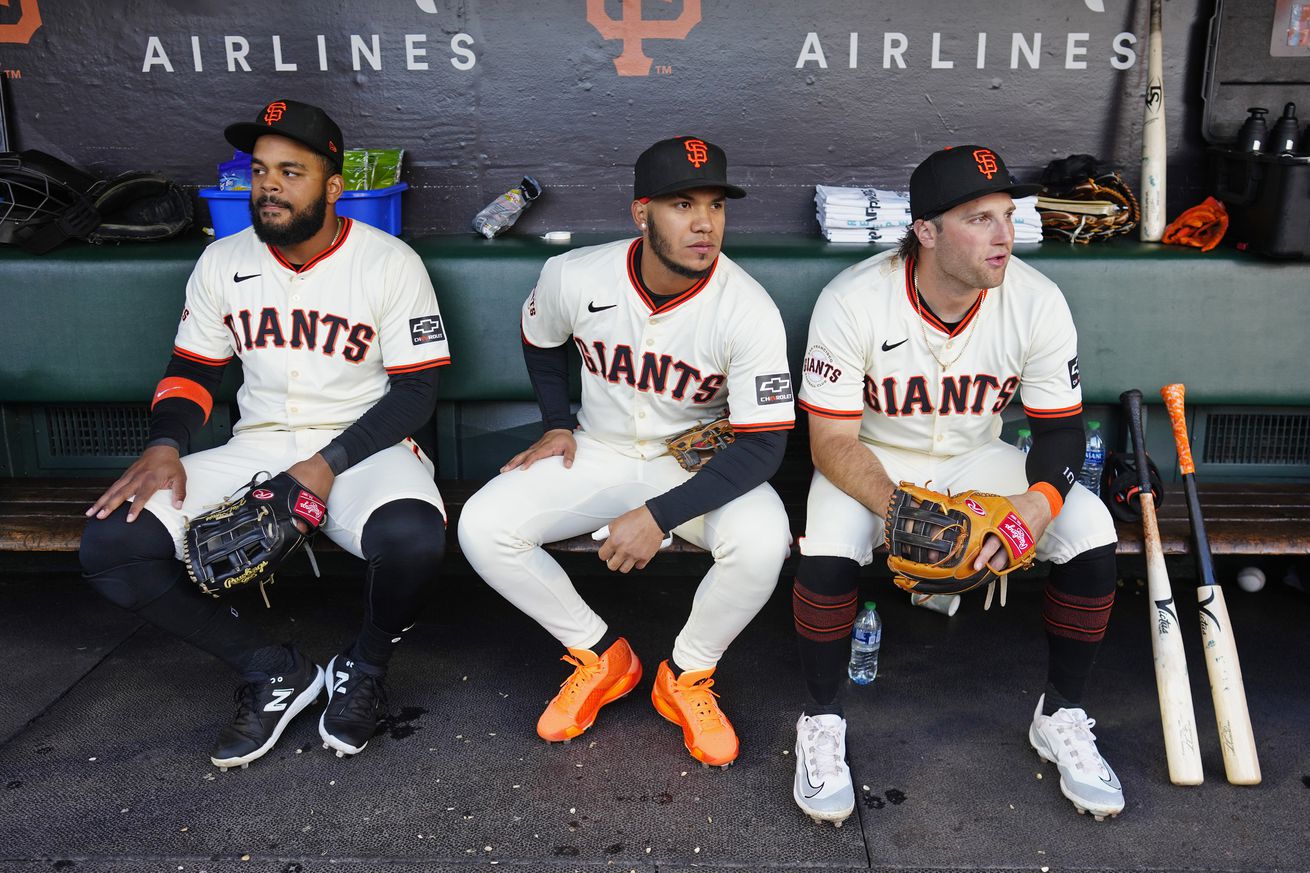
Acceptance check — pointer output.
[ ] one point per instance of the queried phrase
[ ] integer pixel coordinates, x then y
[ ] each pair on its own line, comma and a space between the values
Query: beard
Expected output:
663, 250
300, 226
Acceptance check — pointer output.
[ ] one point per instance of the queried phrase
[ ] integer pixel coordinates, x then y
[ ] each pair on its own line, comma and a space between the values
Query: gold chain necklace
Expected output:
945, 365
336, 236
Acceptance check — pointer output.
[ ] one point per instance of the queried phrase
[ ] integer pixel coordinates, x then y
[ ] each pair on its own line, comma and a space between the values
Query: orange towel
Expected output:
1202, 226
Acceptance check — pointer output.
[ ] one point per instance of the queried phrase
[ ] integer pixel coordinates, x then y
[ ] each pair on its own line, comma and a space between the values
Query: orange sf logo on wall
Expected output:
273, 113
634, 30
986, 162
29, 19
697, 153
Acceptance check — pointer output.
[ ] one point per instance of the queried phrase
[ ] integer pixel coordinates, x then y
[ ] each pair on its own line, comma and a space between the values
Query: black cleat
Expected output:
265, 706
357, 701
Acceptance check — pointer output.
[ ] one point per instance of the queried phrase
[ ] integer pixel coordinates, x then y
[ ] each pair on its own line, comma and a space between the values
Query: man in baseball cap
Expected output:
673, 336
912, 358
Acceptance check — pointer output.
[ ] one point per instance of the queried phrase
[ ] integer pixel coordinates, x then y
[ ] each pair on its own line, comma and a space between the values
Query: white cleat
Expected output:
822, 786
1066, 740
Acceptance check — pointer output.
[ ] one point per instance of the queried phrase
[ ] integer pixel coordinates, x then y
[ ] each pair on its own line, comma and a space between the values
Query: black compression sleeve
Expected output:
748, 462
549, 371
406, 407
1057, 453
175, 420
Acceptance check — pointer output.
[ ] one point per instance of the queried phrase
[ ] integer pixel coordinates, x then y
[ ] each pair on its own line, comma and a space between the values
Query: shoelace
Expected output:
822, 750
701, 699
366, 699
1075, 732
572, 685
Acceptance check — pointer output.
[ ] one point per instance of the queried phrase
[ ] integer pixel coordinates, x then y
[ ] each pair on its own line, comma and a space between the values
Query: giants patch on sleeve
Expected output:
774, 388
1074, 377
426, 329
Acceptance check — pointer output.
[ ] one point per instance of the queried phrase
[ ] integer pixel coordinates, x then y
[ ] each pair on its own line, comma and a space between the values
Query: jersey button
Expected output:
295, 374
297, 409
641, 414
295, 298
940, 437
650, 342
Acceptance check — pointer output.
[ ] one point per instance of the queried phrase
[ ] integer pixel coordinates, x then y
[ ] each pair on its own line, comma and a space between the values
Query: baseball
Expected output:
1251, 579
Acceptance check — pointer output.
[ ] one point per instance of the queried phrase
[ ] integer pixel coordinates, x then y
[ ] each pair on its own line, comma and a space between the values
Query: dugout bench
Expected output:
87, 331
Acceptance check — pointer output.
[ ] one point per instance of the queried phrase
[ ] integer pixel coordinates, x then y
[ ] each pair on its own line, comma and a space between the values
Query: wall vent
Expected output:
96, 431
1257, 438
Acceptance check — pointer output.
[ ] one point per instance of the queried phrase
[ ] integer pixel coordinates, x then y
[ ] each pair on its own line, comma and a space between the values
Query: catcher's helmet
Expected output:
44, 201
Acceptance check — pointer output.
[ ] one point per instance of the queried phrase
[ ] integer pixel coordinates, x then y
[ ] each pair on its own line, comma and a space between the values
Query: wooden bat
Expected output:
1172, 684
1241, 763
1153, 133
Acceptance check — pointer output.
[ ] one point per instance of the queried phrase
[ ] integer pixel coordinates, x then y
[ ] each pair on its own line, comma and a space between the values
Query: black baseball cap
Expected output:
958, 174
680, 164
306, 124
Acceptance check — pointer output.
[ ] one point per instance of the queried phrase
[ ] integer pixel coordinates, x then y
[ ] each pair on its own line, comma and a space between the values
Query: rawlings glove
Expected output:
933, 539
693, 448
245, 539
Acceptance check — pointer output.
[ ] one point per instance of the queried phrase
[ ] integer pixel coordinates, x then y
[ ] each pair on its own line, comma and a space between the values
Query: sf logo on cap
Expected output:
274, 112
986, 162
697, 153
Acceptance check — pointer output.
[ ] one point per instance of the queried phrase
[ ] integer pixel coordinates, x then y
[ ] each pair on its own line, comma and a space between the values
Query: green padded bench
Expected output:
91, 328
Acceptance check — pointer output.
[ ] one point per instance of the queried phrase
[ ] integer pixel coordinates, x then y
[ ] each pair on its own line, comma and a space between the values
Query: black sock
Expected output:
824, 598
1056, 701
603, 644
374, 645
270, 660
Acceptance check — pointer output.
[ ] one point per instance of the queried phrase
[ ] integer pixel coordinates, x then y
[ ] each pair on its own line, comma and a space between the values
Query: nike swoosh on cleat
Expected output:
810, 782
237, 277
887, 347
592, 307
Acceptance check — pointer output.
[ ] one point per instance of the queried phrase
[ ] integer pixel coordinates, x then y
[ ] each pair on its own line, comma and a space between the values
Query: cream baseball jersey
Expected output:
874, 355
652, 370
316, 343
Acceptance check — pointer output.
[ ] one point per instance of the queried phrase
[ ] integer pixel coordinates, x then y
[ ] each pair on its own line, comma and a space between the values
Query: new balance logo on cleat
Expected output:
357, 704
279, 701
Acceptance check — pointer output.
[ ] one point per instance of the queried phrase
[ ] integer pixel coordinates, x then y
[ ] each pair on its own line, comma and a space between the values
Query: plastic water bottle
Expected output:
1094, 459
502, 212
1025, 441
866, 637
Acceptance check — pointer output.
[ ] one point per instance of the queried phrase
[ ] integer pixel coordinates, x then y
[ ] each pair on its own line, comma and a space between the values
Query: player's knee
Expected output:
759, 543
113, 542
412, 532
481, 525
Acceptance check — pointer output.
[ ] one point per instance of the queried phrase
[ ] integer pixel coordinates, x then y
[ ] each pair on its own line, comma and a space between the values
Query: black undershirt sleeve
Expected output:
175, 420
406, 407
549, 371
749, 461
1057, 453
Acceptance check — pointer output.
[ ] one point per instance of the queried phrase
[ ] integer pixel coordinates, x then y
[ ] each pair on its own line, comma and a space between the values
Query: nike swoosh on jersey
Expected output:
887, 347
592, 307
237, 277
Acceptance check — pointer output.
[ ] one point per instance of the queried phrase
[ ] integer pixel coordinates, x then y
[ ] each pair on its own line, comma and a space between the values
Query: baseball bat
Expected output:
1241, 763
1176, 713
1153, 133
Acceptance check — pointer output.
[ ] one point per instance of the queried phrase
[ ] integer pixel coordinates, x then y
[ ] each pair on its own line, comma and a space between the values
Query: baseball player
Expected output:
672, 334
912, 357
339, 337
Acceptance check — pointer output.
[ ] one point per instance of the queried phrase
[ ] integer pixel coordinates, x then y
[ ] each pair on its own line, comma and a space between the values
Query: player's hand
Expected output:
634, 539
315, 474
555, 442
158, 467
1035, 512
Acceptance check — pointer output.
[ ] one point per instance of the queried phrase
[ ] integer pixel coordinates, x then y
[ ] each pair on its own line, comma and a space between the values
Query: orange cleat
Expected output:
596, 681
689, 703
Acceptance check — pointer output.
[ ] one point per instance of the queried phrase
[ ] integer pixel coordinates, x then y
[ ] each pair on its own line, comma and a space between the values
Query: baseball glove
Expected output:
693, 448
933, 539
246, 538
1082, 202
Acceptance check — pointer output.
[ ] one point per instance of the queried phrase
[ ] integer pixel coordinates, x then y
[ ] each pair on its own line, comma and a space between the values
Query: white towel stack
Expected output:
864, 215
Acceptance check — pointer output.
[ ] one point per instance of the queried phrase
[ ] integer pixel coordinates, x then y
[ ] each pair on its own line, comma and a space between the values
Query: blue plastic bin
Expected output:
230, 210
